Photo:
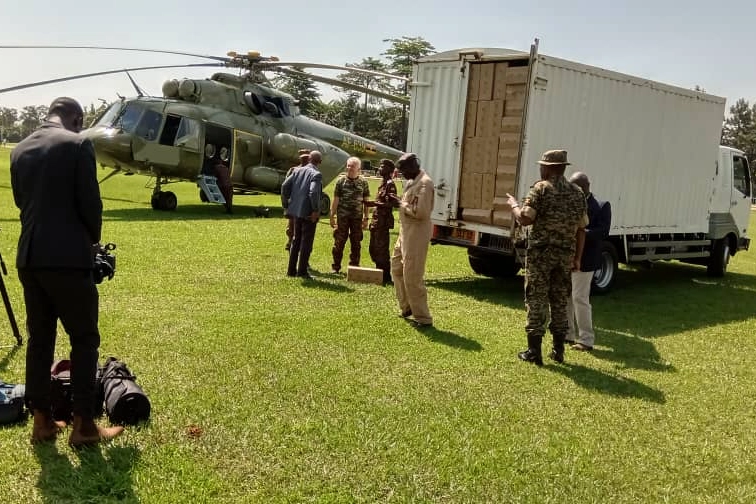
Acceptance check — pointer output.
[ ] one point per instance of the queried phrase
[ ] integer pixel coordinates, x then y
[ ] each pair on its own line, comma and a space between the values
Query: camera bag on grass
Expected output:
61, 393
11, 402
125, 401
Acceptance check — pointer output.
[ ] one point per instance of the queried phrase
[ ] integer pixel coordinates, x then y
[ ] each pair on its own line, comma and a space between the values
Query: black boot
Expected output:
533, 353
557, 353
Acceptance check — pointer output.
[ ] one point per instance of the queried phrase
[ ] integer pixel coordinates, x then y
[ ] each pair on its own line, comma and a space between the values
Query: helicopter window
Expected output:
149, 125
108, 117
253, 102
188, 134
181, 132
129, 118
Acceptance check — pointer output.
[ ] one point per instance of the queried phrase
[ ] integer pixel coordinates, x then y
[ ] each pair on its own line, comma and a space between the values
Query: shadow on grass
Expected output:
318, 282
629, 351
449, 338
505, 292
97, 478
202, 211
608, 384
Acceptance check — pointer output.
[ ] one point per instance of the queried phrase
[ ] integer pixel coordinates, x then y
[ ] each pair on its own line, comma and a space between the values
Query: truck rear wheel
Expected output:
493, 265
719, 258
603, 278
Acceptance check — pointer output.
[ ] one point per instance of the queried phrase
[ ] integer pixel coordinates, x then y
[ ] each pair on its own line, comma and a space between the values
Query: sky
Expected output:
710, 44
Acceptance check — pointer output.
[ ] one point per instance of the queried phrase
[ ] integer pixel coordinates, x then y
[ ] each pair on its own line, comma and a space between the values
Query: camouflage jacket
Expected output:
383, 216
351, 194
558, 210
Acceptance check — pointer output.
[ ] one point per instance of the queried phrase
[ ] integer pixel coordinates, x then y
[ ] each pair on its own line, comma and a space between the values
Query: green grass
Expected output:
318, 392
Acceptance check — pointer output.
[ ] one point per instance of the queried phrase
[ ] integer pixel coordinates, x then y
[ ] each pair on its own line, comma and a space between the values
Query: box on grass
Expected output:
365, 275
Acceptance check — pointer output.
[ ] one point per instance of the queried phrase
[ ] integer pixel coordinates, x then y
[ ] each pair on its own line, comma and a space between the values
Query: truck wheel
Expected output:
493, 265
603, 278
719, 258
325, 204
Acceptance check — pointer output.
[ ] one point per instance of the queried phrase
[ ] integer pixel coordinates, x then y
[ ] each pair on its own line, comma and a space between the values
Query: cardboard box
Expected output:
479, 215
473, 83
365, 275
517, 75
502, 218
515, 100
505, 181
510, 124
470, 190
488, 120
500, 203
472, 154
487, 191
509, 141
471, 114
485, 92
500, 81
508, 157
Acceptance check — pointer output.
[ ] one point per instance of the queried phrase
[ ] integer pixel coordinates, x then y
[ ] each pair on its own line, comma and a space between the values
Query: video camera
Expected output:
104, 262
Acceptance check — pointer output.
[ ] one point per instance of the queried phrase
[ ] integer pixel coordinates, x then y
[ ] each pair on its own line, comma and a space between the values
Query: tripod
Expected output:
6, 302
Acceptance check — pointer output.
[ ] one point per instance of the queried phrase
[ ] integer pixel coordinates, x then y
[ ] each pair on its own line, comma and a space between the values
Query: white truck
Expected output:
481, 118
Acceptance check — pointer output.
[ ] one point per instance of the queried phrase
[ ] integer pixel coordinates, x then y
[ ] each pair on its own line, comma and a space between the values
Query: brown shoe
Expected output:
581, 348
45, 428
86, 432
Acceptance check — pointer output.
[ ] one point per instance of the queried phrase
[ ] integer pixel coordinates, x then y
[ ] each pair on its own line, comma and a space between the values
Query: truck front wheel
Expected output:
719, 258
492, 265
603, 278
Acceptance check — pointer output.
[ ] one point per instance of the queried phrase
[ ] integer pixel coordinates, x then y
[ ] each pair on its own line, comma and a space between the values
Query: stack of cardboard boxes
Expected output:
493, 120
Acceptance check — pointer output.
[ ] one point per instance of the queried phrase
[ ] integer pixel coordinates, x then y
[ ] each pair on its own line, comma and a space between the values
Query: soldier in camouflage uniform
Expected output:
558, 214
349, 213
383, 220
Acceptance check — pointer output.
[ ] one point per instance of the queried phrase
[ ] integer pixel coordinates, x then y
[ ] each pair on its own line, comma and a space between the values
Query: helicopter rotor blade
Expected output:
330, 67
347, 85
104, 48
97, 74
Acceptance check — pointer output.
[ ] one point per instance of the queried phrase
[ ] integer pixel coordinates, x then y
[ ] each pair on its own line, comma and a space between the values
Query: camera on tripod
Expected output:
104, 262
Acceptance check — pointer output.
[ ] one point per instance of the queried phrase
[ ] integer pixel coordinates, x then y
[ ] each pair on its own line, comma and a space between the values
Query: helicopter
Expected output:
240, 120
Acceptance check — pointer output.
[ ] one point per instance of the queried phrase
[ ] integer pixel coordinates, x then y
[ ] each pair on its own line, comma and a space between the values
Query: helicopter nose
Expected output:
111, 147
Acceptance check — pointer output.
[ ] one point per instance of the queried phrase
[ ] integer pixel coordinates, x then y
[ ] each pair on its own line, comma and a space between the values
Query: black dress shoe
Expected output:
291, 274
557, 356
531, 355
405, 314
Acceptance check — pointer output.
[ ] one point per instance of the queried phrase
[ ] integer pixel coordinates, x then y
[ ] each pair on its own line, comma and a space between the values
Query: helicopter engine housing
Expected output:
287, 146
264, 177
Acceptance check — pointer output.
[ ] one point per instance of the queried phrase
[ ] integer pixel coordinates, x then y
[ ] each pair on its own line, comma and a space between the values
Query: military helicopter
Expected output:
241, 120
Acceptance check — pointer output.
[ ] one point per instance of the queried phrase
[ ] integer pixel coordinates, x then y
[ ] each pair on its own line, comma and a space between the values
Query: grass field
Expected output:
271, 389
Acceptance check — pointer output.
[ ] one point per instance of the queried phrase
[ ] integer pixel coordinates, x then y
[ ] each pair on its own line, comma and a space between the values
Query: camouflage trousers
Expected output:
548, 285
379, 249
347, 228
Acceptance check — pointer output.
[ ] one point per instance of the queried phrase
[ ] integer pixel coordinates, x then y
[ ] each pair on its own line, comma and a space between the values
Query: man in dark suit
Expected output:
53, 174
579, 312
300, 197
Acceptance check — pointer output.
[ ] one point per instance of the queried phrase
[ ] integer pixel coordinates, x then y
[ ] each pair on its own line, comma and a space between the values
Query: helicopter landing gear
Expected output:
164, 200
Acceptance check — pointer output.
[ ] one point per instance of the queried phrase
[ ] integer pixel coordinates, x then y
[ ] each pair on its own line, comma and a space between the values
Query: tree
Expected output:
31, 117
8, 118
739, 130
367, 80
401, 54
301, 88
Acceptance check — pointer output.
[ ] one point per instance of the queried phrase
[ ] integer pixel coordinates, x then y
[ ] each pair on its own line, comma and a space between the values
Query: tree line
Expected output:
372, 117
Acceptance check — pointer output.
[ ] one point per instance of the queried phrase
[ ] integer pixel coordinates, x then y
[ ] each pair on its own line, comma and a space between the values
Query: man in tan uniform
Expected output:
411, 249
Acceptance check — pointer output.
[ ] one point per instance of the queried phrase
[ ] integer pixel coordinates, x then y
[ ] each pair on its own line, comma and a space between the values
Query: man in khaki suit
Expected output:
411, 249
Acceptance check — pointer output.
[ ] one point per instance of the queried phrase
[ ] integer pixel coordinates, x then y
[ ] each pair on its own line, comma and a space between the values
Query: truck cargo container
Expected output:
481, 118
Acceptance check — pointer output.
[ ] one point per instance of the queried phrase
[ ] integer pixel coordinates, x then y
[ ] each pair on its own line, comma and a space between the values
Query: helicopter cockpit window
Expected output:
149, 125
129, 118
110, 114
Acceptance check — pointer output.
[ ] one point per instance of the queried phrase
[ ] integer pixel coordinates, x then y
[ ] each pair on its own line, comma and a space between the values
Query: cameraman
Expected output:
53, 174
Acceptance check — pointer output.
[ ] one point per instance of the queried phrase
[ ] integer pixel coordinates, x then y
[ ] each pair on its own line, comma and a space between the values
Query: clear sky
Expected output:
685, 43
